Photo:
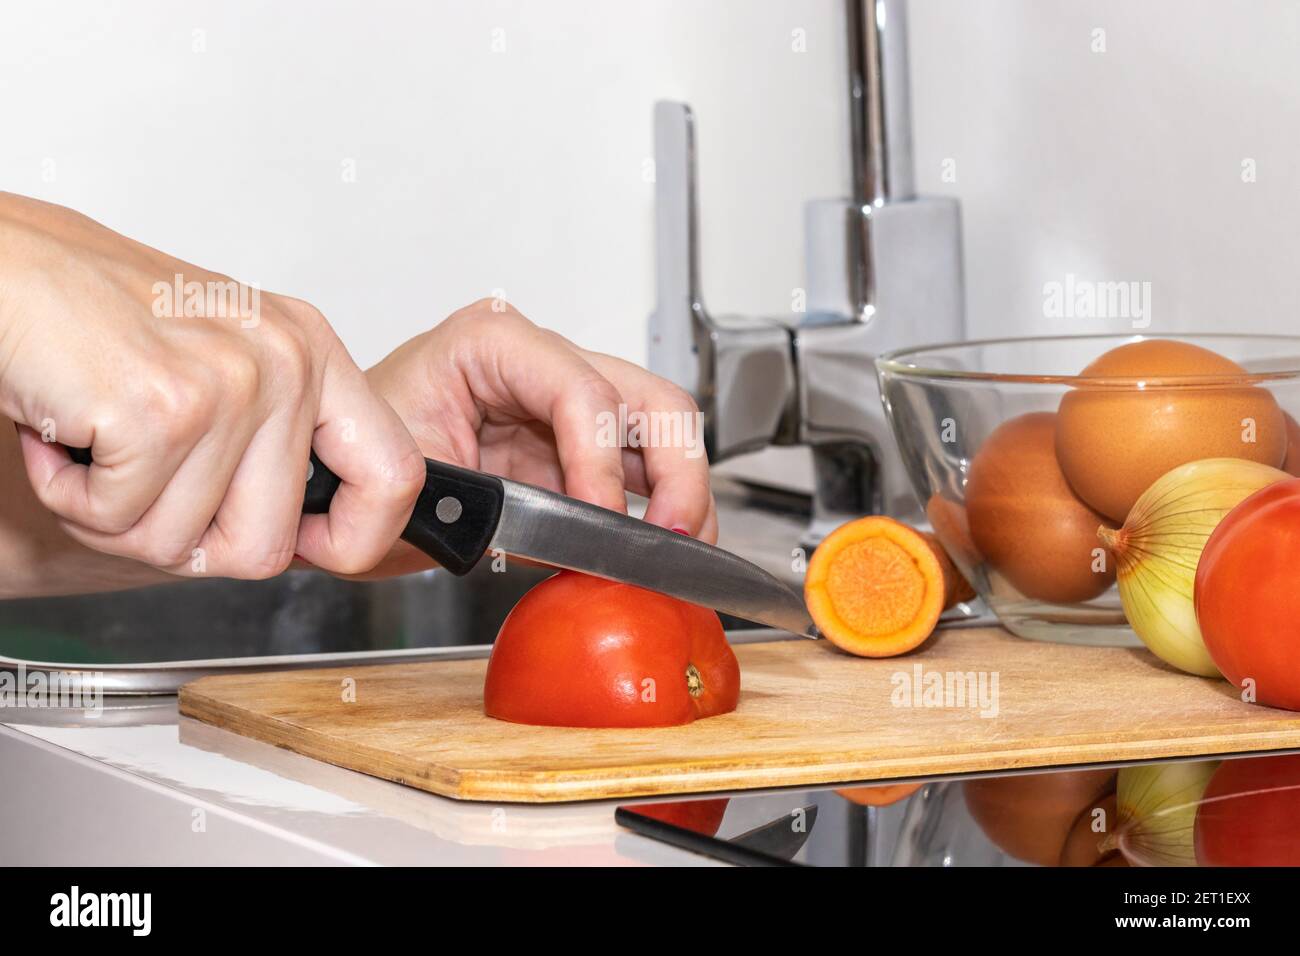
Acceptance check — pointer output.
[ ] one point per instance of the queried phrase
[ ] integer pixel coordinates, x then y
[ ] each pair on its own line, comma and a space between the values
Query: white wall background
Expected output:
476, 170
522, 170
1123, 165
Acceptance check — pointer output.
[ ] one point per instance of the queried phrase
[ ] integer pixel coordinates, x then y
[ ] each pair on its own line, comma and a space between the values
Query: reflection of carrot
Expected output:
876, 587
879, 796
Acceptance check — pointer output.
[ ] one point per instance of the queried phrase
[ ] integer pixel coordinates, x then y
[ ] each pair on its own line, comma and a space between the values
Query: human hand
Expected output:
200, 424
488, 389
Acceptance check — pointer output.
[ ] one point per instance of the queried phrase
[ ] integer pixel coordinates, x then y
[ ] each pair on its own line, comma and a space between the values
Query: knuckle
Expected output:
354, 562
677, 399
163, 552
110, 517
265, 563
169, 394
240, 375
401, 479
300, 311
594, 389
178, 405
353, 551
290, 357
487, 314
557, 340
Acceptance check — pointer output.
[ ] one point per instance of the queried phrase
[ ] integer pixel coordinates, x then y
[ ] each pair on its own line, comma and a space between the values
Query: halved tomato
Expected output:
580, 651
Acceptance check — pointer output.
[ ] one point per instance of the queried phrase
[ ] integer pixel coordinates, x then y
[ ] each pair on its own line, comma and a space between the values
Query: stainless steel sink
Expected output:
300, 612
150, 640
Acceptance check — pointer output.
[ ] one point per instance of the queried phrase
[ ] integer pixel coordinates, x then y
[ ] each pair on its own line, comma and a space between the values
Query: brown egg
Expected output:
1087, 846
1025, 520
1030, 816
1291, 463
1114, 442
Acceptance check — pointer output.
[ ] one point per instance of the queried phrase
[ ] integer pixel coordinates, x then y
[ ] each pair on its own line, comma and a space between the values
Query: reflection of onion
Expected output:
1157, 812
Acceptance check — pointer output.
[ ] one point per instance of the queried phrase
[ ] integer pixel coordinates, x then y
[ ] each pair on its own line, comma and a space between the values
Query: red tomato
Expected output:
579, 651
698, 816
1250, 814
1248, 596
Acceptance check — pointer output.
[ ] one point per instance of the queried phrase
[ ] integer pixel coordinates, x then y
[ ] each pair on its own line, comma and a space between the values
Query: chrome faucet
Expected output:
883, 271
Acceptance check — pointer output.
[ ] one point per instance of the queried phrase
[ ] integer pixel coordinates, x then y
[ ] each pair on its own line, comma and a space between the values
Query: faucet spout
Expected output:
880, 125
880, 110
883, 272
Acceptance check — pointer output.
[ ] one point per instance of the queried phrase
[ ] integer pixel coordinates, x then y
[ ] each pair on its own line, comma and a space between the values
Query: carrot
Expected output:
880, 795
955, 586
876, 587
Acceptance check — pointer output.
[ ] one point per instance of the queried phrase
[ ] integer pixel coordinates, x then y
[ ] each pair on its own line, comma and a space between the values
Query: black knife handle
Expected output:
80, 455
454, 518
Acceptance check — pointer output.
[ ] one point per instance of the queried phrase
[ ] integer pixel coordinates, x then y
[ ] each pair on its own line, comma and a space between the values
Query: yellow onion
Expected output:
1156, 806
1157, 549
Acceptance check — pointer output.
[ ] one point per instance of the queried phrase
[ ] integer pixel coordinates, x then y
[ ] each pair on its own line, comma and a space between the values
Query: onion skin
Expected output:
1160, 544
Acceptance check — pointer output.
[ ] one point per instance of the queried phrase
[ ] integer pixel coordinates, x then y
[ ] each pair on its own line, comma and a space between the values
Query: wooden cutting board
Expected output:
808, 715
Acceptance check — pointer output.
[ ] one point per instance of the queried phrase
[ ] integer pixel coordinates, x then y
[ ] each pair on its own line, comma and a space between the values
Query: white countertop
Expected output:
141, 786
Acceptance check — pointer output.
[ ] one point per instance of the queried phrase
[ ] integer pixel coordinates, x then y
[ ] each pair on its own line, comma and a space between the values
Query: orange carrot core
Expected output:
876, 587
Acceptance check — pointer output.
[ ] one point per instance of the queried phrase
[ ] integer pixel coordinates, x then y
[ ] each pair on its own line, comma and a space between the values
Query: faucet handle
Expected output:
740, 371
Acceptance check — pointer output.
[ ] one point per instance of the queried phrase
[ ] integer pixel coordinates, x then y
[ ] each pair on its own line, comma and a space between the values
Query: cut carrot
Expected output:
955, 586
881, 795
876, 587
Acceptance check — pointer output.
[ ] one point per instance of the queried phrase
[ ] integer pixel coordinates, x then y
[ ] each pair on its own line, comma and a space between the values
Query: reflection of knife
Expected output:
772, 844
784, 837
463, 514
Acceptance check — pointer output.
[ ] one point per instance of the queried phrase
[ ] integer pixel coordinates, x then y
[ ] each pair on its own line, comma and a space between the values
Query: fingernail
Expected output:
682, 531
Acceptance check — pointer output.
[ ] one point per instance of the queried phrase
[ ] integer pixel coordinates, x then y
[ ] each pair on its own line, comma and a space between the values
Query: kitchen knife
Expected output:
462, 515
780, 838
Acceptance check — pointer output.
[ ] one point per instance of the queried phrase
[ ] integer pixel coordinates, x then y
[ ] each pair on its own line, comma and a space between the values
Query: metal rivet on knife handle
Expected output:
448, 509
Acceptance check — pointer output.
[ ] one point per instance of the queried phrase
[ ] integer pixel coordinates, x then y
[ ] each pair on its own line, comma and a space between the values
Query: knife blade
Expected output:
781, 838
463, 514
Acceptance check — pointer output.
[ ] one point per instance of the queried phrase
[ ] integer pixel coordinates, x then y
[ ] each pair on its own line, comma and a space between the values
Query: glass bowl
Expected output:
1020, 538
